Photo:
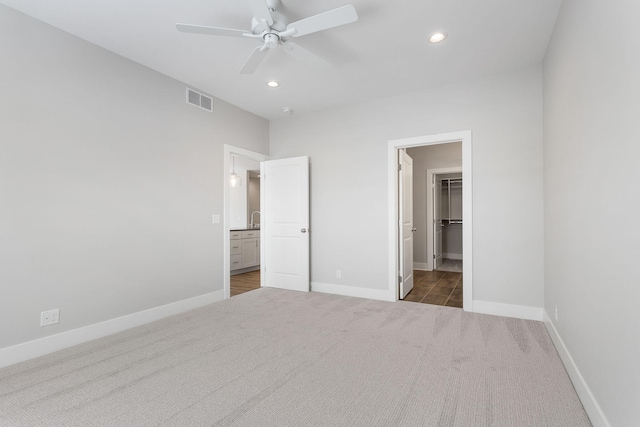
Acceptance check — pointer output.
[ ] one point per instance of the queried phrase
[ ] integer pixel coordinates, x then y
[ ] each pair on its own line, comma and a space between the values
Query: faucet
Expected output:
254, 225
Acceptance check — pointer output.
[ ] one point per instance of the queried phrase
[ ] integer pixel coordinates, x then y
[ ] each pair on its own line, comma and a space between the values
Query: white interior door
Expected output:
285, 223
405, 179
437, 222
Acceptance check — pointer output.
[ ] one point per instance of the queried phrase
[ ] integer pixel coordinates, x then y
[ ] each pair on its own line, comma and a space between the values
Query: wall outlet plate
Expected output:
50, 317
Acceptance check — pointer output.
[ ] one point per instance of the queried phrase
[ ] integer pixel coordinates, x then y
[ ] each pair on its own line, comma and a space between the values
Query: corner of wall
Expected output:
587, 398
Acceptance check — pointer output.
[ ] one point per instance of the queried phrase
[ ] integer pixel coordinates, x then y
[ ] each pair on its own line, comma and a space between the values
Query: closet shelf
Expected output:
450, 191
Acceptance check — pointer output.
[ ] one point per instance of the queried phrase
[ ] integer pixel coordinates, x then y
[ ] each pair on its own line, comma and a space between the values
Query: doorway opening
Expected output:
430, 179
433, 256
242, 218
444, 218
245, 218
282, 247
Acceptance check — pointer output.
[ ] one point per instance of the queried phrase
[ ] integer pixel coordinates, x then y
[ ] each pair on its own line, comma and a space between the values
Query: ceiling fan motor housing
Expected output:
280, 23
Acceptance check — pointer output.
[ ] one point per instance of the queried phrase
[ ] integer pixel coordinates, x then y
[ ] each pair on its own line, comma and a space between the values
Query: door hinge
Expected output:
399, 167
399, 279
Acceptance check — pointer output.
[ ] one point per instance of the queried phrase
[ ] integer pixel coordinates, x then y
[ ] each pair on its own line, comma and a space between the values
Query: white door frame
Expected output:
467, 199
231, 150
429, 181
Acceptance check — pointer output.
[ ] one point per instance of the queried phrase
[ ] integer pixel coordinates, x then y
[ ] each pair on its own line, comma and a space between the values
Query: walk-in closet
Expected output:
437, 209
448, 222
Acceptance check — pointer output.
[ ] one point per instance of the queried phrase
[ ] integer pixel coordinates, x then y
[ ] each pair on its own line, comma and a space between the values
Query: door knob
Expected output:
413, 229
304, 230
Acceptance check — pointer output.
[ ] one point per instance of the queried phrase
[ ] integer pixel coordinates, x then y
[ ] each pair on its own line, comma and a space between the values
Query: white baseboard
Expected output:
457, 257
46, 345
422, 266
508, 310
589, 402
350, 291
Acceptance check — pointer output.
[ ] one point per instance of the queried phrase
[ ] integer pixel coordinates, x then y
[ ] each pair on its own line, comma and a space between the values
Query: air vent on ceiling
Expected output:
199, 100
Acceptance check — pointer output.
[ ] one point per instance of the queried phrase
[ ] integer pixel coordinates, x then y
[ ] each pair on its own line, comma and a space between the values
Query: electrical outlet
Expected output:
50, 317
338, 274
556, 313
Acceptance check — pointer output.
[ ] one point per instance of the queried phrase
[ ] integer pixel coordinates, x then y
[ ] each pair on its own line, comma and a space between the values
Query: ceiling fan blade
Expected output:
260, 11
254, 60
304, 55
323, 21
215, 31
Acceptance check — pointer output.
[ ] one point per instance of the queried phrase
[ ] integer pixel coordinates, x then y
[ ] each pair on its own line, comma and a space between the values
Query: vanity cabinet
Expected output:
245, 249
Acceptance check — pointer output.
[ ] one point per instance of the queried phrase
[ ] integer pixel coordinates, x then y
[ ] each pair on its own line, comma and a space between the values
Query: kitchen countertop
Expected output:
245, 229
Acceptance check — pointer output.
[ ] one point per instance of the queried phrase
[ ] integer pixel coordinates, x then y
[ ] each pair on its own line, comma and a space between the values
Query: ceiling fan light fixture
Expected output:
273, 83
438, 37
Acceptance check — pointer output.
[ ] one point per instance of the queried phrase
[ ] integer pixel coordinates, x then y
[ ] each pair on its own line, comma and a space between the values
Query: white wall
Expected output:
592, 197
348, 154
429, 157
238, 201
108, 181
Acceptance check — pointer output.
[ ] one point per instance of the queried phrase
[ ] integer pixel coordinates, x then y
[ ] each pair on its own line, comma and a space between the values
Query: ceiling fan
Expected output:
273, 29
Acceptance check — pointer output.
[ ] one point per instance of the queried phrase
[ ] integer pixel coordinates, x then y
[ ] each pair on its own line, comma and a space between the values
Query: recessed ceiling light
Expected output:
273, 83
437, 37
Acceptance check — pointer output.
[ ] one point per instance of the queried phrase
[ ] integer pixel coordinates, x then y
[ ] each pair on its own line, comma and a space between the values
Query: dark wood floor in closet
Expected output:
436, 287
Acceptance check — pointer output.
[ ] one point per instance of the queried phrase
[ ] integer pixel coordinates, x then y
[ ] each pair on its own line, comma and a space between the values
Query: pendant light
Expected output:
234, 178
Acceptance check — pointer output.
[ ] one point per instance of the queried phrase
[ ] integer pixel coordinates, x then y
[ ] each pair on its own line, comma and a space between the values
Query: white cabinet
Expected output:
250, 252
250, 234
236, 250
245, 249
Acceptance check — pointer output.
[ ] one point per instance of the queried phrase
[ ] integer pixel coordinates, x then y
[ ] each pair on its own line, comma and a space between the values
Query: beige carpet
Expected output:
282, 358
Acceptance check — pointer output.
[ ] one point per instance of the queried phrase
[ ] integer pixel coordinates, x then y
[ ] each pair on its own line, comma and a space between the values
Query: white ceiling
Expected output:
385, 52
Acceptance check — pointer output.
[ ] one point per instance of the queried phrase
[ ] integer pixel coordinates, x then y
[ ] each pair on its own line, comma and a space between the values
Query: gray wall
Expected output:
349, 195
430, 157
592, 197
108, 181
